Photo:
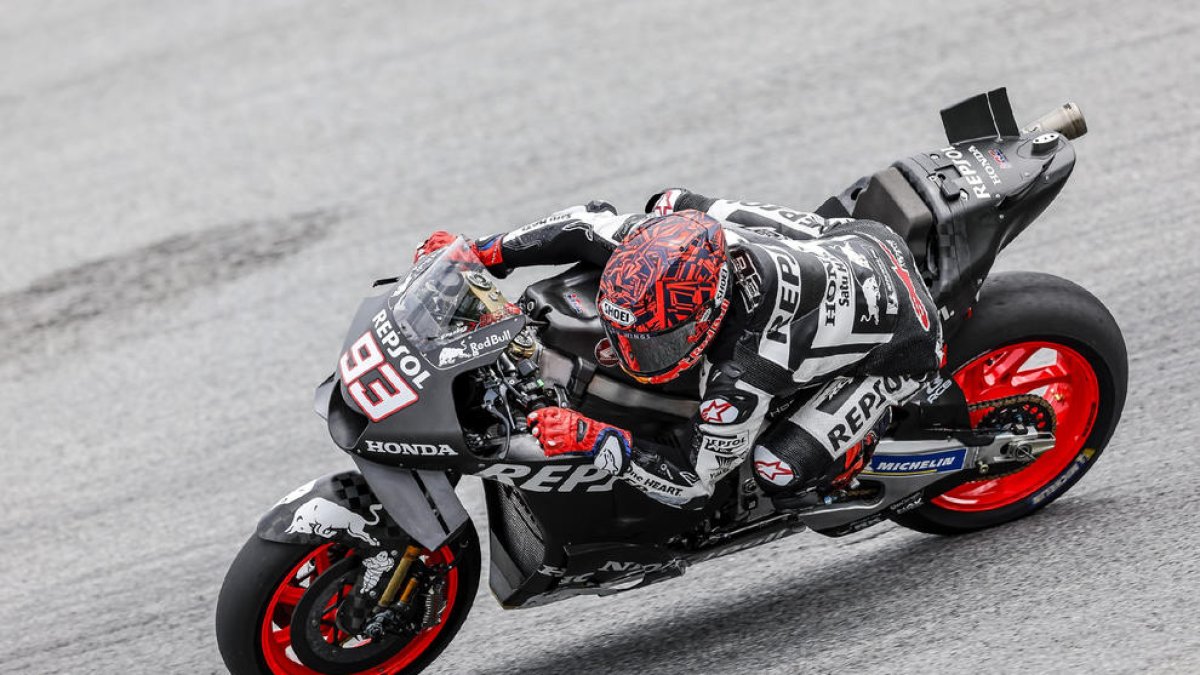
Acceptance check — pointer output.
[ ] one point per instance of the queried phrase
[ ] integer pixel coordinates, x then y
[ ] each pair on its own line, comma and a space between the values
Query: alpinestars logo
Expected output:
771, 468
666, 203
718, 411
773, 471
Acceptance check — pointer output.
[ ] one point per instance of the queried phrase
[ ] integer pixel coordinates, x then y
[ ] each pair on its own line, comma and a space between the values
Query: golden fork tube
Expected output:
408, 591
398, 575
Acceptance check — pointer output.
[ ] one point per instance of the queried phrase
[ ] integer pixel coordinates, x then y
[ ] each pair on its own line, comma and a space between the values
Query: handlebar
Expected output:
1066, 120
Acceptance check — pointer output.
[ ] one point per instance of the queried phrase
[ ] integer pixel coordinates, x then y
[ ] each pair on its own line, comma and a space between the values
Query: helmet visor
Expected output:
648, 354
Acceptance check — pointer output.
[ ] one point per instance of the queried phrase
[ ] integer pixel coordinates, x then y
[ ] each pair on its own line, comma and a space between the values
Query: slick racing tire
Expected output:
1036, 334
268, 584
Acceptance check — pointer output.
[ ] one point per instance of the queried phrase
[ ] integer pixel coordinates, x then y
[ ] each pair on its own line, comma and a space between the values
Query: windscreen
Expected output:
447, 296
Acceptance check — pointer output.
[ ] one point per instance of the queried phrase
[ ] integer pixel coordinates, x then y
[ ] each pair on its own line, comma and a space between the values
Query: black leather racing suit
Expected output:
820, 303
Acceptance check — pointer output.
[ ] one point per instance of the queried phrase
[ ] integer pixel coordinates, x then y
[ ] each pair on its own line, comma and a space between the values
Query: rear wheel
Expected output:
277, 609
1042, 335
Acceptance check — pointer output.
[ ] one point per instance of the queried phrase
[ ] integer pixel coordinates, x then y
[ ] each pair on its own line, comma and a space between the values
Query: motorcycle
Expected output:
374, 570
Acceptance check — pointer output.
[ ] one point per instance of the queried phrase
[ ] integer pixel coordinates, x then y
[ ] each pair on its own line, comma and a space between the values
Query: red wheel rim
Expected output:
276, 635
1053, 371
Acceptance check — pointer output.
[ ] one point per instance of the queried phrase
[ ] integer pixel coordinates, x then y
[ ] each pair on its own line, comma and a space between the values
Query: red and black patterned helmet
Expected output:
663, 294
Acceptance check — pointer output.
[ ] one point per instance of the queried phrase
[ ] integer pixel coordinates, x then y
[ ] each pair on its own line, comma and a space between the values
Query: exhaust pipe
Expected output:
1066, 120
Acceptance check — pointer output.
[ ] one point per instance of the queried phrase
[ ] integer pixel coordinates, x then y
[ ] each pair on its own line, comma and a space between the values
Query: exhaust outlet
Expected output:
1066, 120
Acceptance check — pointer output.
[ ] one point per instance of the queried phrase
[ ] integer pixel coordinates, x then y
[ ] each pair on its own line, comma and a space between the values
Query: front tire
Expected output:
268, 581
1033, 333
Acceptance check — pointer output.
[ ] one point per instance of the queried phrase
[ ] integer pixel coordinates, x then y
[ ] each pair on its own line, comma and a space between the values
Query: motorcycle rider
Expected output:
770, 303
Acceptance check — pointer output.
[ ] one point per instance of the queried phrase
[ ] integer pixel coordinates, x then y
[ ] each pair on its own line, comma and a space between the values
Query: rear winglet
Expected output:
982, 116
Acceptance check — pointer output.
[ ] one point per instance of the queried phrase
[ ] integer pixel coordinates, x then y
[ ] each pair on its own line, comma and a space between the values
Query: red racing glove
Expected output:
488, 251
566, 432
436, 242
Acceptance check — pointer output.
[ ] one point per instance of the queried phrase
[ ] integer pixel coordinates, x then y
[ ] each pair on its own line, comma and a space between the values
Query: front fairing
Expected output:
391, 400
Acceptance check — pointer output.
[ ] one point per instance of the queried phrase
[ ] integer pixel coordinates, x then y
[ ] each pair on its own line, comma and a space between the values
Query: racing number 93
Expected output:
383, 397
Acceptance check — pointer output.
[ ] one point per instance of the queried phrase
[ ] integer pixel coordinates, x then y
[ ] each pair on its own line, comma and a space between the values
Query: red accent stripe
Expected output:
918, 306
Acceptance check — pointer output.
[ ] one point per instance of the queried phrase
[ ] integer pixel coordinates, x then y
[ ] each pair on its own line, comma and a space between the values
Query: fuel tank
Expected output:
578, 356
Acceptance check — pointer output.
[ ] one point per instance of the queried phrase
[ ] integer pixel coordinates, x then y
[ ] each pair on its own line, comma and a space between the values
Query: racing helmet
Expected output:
664, 293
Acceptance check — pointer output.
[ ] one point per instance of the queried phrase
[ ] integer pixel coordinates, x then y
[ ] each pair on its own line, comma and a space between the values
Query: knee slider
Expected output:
786, 462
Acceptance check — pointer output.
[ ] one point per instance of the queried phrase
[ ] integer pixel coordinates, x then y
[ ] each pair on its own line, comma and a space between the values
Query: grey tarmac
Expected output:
194, 196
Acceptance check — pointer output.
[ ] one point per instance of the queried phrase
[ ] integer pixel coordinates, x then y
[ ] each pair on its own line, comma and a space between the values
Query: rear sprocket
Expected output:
1013, 414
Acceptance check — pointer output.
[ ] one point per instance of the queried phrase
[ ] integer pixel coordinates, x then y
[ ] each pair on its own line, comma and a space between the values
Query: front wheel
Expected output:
272, 588
1042, 335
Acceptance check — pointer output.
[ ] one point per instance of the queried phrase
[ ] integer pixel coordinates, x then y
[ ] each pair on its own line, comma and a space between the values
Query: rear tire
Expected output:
1020, 314
252, 587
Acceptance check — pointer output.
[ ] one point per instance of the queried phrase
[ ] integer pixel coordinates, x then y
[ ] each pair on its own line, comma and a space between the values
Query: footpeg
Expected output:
795, 501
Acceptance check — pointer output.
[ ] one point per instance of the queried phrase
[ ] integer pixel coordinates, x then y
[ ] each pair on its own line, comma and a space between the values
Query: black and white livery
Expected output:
833, 340
831, 303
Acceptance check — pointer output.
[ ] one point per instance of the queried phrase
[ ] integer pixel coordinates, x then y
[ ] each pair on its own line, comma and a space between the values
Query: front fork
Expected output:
398, 577
394, 611
390, 613
378, 511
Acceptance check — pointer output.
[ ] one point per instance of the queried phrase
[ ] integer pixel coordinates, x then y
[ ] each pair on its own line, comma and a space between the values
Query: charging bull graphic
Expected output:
870, 289
324, 518
451, 355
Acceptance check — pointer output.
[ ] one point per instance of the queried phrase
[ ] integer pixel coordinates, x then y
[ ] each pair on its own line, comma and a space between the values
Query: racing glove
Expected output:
566, 432
488, 251
436, 242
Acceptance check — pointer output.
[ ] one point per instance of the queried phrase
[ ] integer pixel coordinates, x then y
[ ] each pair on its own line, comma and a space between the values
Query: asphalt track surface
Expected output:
193, 196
